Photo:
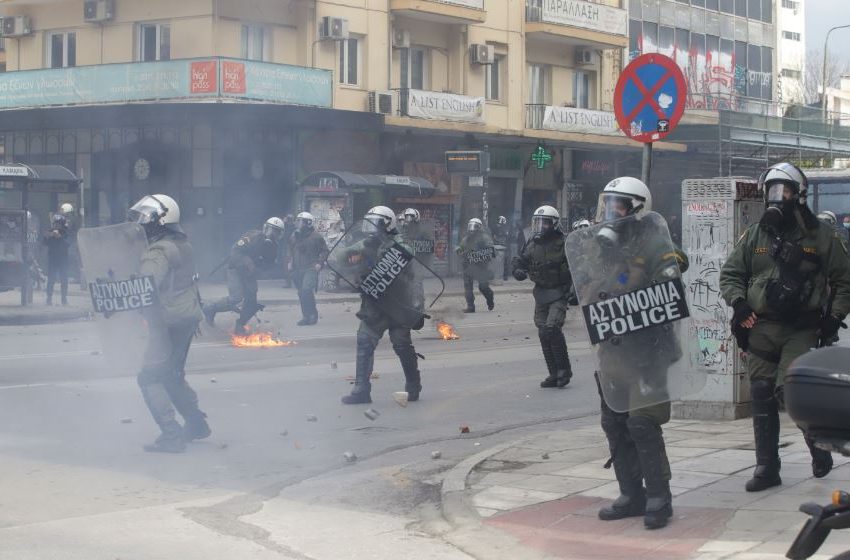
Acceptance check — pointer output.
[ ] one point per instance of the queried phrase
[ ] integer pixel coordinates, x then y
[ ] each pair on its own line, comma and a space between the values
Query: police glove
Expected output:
520, 274
743, 311
829, 326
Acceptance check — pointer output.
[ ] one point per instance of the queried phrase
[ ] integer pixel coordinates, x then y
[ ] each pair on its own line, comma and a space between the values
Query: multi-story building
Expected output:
247, 108
790, 50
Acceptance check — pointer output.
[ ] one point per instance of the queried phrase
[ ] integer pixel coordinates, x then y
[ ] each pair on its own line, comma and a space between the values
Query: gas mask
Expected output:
608, 236
779, 214
846, 225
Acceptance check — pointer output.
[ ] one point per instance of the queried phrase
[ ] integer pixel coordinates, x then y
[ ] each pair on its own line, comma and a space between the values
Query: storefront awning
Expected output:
399, 184
39, 178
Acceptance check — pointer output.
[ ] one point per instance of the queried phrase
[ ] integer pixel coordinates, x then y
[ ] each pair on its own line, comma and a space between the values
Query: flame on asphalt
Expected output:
259, 340
447, 331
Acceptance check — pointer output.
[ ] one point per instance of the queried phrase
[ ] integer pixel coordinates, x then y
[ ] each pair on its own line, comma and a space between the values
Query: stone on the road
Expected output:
464, 429
436, 454
400, 397
371, 414
312, 418
350, 457
126, 420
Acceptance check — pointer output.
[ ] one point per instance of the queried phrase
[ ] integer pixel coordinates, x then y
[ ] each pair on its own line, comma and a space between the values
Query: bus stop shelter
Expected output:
19, 229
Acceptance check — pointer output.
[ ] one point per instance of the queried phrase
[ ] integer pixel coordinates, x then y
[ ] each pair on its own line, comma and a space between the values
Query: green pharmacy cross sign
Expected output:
541, 156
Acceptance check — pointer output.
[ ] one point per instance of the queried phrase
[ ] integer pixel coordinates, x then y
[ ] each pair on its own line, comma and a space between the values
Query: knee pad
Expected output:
762, 389
642, 428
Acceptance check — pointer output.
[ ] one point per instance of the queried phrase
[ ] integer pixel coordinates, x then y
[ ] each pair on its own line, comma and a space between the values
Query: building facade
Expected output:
230, 105
790, 50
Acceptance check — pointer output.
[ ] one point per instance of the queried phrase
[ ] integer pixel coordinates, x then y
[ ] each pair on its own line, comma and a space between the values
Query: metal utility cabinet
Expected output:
715, 213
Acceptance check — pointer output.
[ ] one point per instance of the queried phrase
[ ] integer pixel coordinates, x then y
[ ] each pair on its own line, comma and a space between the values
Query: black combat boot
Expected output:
562, 358
470, 308
652, 454
766, 430
196, 427
632, 499
362, 391
410, 366
821, 459
170, 441
209, 314
549, 356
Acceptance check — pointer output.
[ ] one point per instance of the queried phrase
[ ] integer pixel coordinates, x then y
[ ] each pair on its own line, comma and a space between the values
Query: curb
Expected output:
467, 531
17, 319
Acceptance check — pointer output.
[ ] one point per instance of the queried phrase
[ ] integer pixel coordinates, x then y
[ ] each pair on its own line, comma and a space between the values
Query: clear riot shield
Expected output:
420, 237
385, 270
110, 258
633, 300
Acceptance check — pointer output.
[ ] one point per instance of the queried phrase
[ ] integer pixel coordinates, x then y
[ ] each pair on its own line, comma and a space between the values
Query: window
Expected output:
727, 6
791, 35
581, 89
61, 50
712, 5
754, 10
741, 8
349, 62
792, 74
635, 38
790, 4
255, 43
538, 84
650, 37
634, 9
666, 40
494, 78
414, 68
154, 42
767, 11
699, 3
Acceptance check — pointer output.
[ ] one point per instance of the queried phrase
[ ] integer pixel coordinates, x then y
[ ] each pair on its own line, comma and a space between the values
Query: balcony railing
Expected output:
534, 115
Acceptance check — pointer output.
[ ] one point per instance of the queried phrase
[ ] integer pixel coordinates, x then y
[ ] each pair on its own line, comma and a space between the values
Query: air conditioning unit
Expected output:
584, 57
95, 11
381, 102
333, 28
16, 26
401, 39
481, 54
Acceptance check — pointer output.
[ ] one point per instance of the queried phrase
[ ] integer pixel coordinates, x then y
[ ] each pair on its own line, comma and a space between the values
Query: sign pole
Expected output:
646, 163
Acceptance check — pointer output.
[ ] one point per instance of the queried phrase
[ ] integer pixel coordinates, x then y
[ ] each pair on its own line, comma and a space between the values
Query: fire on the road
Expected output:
447, 331
259, 340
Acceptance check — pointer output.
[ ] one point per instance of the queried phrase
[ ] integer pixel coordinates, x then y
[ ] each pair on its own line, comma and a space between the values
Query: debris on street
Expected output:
371, 414
400, 397
312, 418
350, 457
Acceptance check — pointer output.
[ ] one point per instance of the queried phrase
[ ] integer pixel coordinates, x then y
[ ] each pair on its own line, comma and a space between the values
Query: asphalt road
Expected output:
72, 423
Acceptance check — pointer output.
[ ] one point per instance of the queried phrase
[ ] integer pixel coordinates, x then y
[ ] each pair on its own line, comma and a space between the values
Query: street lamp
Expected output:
823, 83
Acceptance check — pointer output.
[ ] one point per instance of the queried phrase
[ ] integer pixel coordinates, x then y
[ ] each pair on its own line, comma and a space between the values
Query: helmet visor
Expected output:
373, 224
542, 224
272, 232
409, 217
473, 226
613, 207
776, 192
146, 211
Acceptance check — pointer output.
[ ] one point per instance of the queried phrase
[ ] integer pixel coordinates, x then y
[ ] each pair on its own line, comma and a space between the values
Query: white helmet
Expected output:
581, 224
622, 197
156, 209
502, 220
475, 225
304, 220
775, 178
66, 209
411, 215
379, 219
273, 228
829, 217
545, 216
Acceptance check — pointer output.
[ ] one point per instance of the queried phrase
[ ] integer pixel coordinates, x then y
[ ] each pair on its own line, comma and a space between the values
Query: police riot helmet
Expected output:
66, 209
379, 219
411, 216
502, 220
545, 219
582, 224
273, 228
828, 217
776, 178
474, 225
304, 220
155, 211
623, 197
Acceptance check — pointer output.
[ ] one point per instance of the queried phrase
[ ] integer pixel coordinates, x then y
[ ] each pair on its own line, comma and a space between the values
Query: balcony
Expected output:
577, 23
204, 79
570, 119
442, 11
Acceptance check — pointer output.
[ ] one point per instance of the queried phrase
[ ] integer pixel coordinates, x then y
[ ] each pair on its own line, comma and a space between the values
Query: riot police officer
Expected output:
477, 250
309, 250
382, 234
58, 243
544, 260
635, 438
779, 279
172, 323
420, 237
254, 250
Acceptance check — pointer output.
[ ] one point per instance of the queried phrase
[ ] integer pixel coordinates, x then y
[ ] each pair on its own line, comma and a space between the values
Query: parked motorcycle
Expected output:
817, 388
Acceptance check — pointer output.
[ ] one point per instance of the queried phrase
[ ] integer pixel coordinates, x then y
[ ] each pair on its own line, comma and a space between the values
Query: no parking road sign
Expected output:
650, 97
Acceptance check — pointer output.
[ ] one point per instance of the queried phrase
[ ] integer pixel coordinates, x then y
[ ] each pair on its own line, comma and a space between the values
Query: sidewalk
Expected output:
271, 293
538, 497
